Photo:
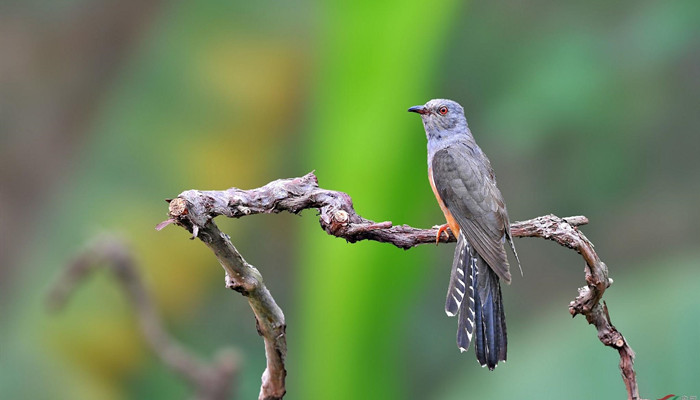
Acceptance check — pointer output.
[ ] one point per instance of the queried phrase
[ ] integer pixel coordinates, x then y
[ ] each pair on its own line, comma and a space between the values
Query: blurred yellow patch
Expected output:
108, 343
258, 77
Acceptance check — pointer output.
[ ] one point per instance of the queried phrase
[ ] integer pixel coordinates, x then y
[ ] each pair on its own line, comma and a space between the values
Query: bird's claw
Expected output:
442, 229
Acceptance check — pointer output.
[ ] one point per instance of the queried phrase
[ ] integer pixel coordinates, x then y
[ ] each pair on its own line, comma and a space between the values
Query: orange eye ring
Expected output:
442, 110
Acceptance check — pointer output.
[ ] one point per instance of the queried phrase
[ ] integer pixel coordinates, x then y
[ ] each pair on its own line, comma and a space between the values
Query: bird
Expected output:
464, 184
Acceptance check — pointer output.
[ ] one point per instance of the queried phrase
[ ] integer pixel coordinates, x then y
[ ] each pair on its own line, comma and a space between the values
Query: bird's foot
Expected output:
443, 228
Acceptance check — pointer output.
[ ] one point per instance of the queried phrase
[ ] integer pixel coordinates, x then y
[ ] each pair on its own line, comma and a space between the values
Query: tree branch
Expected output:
195, 210
564, 232
245, 279
211, 382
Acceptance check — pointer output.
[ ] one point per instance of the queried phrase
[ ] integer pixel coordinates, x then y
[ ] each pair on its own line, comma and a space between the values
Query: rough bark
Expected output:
195, 210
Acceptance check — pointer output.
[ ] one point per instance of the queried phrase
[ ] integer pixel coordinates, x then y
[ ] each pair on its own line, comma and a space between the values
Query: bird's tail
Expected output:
474, 295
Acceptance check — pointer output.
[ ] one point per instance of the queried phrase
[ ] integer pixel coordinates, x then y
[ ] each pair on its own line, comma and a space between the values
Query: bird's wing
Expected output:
464, 179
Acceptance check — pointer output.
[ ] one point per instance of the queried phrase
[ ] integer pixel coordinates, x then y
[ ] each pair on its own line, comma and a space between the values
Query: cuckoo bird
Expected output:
465, 187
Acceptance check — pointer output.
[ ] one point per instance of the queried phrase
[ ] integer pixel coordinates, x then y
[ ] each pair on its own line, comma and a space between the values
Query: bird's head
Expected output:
441, 118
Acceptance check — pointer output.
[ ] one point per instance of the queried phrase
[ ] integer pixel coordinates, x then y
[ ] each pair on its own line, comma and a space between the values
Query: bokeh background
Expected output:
108, 107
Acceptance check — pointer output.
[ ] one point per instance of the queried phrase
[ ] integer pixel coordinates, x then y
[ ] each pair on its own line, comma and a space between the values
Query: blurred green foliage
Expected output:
583, 108
361, 137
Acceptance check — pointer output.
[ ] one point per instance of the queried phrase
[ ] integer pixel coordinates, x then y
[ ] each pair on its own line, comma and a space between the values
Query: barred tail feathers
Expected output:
460, 294
458, 279
490, 321
465, 324
474, 296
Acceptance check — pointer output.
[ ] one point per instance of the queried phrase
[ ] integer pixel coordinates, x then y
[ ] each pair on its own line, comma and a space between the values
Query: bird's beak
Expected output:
418, 109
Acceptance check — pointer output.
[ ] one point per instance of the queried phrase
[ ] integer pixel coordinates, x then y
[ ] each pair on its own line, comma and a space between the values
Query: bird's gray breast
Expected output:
436, 144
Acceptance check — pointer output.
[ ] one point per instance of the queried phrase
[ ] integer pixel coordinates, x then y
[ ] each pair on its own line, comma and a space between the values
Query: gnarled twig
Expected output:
195, 211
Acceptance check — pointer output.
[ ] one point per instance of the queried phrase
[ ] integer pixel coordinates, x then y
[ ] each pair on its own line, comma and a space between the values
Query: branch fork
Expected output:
195, 210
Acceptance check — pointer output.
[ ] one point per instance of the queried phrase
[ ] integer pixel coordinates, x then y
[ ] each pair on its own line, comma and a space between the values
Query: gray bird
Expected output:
465, 187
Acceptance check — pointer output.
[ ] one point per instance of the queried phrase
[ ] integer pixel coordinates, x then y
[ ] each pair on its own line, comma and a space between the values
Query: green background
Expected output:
583, 108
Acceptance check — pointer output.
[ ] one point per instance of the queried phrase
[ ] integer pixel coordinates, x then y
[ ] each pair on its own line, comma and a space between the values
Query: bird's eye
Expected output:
442, 110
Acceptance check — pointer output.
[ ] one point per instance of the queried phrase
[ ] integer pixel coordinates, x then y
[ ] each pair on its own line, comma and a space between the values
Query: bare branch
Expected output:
588, 301
195, 210
211, 382
245, 279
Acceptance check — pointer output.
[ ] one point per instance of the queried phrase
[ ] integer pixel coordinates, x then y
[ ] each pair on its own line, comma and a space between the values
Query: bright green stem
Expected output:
376, 60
